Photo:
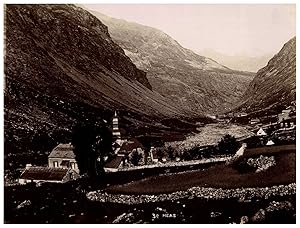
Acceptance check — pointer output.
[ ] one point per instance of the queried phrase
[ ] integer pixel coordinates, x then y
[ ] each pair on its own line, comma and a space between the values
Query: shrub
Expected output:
228, 145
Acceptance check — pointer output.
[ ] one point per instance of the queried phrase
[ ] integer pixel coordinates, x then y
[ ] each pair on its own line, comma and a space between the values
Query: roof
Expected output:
270, 143
286, 111
261, 132
130, 145
44, 173
115, 163
62, 151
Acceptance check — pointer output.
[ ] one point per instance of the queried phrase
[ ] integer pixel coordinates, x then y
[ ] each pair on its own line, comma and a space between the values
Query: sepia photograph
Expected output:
149, 113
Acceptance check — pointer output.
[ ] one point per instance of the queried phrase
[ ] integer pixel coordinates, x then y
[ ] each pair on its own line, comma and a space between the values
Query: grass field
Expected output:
220, 176
271, 150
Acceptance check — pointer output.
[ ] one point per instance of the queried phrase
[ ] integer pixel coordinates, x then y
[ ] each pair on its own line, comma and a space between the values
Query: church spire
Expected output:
116, 131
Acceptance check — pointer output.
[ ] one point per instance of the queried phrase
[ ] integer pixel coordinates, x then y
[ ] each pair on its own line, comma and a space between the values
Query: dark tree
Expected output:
228, 145
160, 154
270, 130
135, 158
42, 141
62, 135
147, 142
170, 153
254, 142
186, 155
91, 143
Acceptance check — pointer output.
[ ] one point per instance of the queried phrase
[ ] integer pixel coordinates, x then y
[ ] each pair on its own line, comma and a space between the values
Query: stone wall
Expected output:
241, 194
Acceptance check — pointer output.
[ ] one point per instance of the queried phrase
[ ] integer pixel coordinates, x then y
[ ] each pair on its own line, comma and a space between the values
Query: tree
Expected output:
147, 143
92, 142
186, 155
135, 158
160, 154
254, 142
170, 153
228, 145
270, 130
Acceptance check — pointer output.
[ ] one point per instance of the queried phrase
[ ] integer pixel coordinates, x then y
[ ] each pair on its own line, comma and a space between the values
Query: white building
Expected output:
270, 143
62, 156
261, 132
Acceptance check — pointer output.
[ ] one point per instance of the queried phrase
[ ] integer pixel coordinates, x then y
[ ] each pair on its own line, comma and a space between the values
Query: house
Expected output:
283, 116
261, 132
254, 121
287, 118
241, 114
47, 174
130, 146
62, 167
62, 156
270, 143
114, 164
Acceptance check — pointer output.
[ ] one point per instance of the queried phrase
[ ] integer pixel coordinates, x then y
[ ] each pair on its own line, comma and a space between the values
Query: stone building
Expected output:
62, 156
46, 174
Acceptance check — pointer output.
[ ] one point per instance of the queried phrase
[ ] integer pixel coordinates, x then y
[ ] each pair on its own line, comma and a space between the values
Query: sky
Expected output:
231, 29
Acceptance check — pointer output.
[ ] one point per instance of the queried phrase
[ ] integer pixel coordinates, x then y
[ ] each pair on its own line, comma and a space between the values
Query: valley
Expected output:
118, 122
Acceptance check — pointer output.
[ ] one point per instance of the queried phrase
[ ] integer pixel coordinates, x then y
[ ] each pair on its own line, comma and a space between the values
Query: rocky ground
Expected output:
57, 203
261, 163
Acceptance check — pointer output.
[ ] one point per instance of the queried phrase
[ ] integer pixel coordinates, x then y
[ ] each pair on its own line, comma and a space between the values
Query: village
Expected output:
130, 154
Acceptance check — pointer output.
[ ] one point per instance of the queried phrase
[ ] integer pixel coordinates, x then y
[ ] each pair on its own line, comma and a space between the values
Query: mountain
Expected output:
61, 68
275, 84
193, 82
238, 62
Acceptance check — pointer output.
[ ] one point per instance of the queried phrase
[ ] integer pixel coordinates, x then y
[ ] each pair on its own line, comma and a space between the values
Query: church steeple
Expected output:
115, 131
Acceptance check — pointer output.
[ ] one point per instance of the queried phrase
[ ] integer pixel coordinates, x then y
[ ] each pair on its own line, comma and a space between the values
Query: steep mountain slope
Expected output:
65, 52
275, 84
194, 82
62, 67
